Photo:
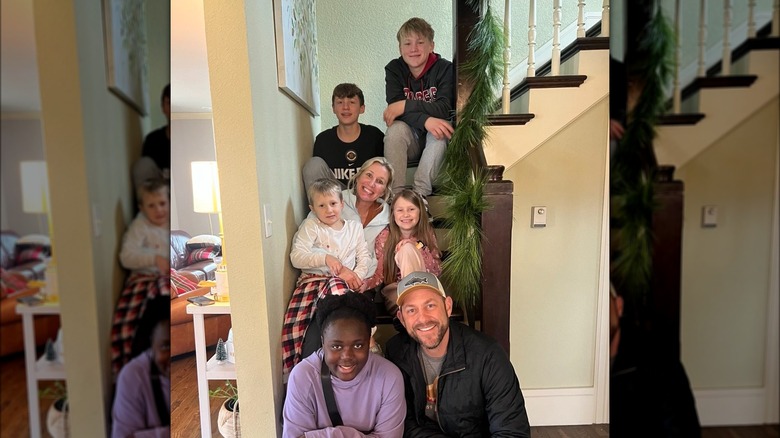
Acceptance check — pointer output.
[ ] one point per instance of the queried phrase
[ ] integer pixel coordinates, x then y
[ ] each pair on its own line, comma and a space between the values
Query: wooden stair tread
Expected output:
680, 119
509, 119
733, 81
561, 81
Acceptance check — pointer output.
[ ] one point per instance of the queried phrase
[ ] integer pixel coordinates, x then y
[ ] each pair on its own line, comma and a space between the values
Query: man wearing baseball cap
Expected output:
459, 382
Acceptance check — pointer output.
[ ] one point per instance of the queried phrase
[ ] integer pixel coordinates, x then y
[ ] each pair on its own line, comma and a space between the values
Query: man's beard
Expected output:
428, 343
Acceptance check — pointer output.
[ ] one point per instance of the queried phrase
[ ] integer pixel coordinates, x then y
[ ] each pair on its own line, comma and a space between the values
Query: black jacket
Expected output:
430, 95
479, 394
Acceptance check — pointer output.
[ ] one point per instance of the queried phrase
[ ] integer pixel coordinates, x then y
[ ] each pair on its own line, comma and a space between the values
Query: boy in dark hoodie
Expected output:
419, 86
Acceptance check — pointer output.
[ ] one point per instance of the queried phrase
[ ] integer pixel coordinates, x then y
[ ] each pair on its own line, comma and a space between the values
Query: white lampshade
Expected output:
35, 186
205, 187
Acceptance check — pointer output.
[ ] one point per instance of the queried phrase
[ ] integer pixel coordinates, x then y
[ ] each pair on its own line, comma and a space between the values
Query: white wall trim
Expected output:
559, 407
602, 360
771, 369
720, 407
190, 116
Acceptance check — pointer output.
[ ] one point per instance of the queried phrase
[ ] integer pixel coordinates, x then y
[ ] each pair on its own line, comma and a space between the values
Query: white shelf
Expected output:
45, 370
217, 371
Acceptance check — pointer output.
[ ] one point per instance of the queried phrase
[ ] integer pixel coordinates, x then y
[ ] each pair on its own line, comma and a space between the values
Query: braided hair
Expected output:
351, 305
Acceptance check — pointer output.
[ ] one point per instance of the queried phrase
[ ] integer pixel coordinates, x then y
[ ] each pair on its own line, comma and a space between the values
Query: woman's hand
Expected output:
334, 265
353, 281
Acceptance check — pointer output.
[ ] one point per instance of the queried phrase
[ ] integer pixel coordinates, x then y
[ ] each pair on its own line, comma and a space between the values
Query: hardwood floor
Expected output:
185, 414
13, 398
185, 418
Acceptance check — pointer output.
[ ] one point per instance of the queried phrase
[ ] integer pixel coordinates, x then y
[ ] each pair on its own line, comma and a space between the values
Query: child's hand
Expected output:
393, 110
353, 281
163, 264
440, 128
333, 264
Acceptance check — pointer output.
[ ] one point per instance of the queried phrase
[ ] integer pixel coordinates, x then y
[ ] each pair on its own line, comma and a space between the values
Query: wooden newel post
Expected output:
497, 257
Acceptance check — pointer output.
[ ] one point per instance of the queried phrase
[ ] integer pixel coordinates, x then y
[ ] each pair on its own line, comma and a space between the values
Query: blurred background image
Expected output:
81, 88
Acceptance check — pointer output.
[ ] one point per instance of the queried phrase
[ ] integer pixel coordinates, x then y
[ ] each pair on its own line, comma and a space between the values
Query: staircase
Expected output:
715, 104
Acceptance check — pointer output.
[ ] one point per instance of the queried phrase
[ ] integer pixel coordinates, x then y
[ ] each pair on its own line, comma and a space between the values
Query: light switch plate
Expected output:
267, 220
538, 216
709, 216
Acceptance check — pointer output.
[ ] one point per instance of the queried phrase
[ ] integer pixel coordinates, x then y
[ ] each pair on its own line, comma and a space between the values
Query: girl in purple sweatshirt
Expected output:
368, 389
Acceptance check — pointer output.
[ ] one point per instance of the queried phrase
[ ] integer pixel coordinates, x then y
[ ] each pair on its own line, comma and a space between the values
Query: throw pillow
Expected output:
202, 241
34, 239
10, 283
201, 254
180, 284
26, 254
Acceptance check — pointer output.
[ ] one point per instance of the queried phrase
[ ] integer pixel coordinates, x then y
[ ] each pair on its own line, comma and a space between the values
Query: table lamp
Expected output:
35, 199
205, 197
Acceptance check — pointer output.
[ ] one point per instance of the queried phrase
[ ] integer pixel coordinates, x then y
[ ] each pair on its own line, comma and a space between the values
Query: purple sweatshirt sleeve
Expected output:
134, 412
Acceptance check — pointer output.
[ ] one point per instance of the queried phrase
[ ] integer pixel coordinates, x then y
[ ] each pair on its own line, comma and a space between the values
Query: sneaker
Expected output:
376, 349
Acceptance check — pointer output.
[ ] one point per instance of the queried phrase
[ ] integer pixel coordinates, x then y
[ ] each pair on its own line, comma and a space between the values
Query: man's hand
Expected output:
353, 281
440, 128
163, 264
616, 129
333, 264
393, 110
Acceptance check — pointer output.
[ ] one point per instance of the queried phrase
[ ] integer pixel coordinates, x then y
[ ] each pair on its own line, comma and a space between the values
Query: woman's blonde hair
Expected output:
386, 164
423, 232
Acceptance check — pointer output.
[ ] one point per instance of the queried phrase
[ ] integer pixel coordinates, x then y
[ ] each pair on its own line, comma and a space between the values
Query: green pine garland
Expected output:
634, 165
461, 187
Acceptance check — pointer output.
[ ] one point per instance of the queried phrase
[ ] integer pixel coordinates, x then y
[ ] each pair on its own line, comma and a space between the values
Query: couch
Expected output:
9, 250
202, 270
182, 327
11, 332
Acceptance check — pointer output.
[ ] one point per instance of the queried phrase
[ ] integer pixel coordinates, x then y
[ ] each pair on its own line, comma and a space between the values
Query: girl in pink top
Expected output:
408, 244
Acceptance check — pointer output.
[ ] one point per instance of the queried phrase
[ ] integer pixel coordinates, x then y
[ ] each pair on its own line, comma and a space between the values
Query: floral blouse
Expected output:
432, 263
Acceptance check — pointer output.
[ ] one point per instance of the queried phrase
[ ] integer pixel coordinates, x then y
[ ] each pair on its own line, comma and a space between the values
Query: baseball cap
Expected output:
418, 280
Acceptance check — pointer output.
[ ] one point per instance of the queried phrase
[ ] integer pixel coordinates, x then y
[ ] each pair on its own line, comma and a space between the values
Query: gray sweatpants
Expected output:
402, 145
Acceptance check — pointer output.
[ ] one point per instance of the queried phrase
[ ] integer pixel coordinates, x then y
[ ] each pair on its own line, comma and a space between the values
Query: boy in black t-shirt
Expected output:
342, 149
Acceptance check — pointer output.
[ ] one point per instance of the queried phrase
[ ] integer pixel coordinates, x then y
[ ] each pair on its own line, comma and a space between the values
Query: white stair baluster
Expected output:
751, 32
605, 18
776, 19
726, 69
556, 51
505, 95
702, 38
677, 96
531, 38
581, 19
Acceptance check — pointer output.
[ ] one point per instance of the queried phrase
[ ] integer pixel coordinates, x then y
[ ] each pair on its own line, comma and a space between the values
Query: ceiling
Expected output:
189, 66
19, 90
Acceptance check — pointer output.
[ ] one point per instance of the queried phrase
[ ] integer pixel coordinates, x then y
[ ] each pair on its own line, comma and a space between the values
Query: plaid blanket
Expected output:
300, 313
139, 288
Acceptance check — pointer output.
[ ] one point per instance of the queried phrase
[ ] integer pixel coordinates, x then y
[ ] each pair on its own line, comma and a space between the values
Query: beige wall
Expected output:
192, 139
726, 269
262, 138
555, 270
90, 138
